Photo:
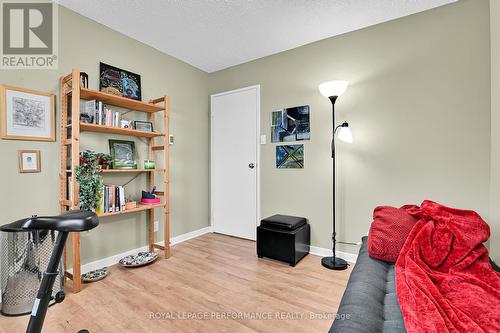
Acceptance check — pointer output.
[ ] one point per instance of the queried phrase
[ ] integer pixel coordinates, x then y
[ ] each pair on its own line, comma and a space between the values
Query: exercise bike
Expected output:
71, 221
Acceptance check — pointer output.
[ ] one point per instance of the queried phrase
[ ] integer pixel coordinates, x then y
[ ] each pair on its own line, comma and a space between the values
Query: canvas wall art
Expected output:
116, 81
27, 114
290, 124
290, 157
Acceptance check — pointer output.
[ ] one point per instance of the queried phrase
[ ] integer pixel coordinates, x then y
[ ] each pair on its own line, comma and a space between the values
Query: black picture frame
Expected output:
145, 126
120, 82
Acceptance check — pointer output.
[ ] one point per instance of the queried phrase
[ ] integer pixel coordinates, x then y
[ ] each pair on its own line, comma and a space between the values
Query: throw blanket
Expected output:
444, 280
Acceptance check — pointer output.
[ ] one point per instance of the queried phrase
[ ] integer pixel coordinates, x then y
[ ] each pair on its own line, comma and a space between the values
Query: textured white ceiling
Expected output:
216, 34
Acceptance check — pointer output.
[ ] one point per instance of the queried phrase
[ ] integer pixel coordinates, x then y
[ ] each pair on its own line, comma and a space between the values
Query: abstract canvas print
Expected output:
119, 82
290, 157
290, 124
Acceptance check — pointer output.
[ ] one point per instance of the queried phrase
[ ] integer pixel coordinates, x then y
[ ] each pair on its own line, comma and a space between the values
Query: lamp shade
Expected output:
333, 88
345, 134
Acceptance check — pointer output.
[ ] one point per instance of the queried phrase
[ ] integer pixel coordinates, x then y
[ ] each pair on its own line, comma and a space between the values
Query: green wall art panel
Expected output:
290, 157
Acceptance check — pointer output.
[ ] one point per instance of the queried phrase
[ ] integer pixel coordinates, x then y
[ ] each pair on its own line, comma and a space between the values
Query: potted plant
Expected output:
89, 180
104, 160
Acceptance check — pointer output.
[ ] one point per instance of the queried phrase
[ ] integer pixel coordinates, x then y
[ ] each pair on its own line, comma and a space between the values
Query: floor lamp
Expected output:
332, 90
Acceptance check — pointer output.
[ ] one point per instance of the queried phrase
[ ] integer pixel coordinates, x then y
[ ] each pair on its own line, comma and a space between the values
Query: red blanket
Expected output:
444, 280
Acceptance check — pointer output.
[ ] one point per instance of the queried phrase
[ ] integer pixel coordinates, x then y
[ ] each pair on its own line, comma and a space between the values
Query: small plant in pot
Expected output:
105, 160
87, 176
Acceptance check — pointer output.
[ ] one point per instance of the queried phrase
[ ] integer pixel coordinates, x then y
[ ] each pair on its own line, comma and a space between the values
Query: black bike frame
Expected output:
44, 295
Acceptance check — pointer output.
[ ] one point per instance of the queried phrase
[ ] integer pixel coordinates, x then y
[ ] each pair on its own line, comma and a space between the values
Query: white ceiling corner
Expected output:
215, 34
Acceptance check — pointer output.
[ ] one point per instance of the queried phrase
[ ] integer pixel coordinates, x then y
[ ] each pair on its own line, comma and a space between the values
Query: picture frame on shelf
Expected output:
27, 114
120, 82
84, 79
123, 153
145, 126
29, 161
125, 123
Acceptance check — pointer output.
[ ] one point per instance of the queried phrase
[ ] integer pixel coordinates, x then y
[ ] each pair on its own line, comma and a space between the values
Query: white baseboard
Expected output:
190, 235
322, 252
112, 260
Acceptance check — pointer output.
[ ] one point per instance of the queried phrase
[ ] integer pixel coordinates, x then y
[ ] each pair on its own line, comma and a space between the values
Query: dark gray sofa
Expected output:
369, 303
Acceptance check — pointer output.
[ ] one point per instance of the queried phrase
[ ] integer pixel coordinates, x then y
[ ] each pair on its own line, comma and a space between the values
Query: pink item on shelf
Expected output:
150, 201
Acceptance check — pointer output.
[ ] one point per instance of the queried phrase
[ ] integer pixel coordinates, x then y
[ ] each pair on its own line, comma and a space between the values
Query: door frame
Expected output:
257, 162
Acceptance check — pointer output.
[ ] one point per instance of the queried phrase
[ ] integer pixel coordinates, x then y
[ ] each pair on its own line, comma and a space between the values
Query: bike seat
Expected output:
71, 221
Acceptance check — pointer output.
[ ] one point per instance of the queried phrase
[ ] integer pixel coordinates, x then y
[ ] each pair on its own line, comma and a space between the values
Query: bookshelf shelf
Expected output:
130, 170
71, 93
119, 101
117, 130
139, 208
125, 170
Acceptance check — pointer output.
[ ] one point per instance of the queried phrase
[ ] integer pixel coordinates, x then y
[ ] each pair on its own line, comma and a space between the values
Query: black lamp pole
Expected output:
334, 262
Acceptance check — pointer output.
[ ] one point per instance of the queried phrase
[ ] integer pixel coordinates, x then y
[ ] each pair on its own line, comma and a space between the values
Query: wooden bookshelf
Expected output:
119, 101
139, 208
70, 95
118, 130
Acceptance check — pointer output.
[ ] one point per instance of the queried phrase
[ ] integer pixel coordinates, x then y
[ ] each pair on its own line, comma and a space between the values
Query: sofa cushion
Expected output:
369, 303
388, 232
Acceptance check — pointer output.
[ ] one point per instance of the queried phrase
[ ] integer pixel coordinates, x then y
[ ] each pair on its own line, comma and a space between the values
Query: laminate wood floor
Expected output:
213, 283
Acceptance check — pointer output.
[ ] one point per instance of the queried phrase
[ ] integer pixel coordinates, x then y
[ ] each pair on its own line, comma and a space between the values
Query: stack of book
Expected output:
112, 199
97, 113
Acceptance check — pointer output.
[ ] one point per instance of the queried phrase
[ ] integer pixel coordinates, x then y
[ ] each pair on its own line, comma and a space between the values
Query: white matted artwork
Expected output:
27, 114
29, 161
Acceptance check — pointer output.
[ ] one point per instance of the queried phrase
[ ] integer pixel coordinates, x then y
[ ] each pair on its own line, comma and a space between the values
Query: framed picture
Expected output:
125, 123
116, 81
29, 161
145, 126
123, 153
290, 124
290, 157
27, 114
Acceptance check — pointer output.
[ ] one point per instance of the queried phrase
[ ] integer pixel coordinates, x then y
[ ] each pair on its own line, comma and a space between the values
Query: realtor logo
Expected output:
29, 35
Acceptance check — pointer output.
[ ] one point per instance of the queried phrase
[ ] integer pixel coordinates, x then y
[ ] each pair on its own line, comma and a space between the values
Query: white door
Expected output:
235, 129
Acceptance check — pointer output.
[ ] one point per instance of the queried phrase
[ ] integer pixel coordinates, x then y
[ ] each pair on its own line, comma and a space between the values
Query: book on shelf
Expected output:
112, 199
97, 113
121, 189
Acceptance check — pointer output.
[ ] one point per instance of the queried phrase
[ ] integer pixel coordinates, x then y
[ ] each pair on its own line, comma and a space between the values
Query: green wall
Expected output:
418, 104
83, 43
495, 130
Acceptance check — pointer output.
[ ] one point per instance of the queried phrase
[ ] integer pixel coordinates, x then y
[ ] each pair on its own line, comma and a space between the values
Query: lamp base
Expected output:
338, 265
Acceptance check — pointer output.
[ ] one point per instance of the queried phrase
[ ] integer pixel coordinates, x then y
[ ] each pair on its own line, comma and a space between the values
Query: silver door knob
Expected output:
251, 165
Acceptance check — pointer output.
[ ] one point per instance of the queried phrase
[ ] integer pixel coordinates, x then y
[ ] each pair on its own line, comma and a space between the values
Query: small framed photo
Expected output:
145, 126
29, 161
27, 114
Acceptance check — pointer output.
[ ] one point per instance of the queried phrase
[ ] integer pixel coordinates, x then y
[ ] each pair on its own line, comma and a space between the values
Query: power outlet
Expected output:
157, 226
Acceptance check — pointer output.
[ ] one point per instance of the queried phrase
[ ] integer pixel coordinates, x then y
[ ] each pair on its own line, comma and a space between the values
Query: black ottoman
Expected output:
284, 238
